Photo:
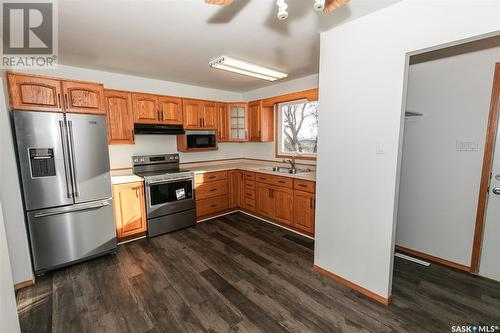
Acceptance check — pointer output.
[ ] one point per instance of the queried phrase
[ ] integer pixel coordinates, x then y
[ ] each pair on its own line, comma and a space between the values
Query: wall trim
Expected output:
489, 148
433, 258
24, 284
353, 286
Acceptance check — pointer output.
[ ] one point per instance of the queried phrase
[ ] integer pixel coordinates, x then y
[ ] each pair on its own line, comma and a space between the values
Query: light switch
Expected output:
379, 147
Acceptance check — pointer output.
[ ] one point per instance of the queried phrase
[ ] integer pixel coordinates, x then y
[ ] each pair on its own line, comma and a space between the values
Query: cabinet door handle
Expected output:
203, 122
311, 203
66, 104
59, 100
200, 122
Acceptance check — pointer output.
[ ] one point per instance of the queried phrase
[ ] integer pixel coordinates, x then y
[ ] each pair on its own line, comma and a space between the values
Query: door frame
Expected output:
489, 148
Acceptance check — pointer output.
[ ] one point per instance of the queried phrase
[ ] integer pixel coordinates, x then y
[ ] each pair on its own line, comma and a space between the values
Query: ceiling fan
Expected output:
319, 5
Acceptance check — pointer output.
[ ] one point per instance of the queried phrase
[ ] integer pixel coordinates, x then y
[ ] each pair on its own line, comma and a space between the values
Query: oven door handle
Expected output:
169, 181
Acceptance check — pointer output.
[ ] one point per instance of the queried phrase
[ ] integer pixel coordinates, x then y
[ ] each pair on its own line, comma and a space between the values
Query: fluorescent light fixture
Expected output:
245, 68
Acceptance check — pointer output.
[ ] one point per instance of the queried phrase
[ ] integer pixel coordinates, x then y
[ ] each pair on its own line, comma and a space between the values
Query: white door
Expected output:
490, 253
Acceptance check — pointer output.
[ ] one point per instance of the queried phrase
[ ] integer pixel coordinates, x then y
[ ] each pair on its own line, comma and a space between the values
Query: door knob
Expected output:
496, 190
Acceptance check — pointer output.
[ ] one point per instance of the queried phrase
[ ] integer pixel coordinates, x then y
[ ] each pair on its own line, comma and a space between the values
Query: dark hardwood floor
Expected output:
238, 274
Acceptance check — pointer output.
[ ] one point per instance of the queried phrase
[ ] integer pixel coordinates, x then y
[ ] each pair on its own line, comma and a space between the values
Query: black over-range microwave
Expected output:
201, 139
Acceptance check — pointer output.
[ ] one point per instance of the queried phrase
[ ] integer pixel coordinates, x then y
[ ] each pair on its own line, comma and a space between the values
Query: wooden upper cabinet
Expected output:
261, 122
238, 122
209, 115
192, 113
130, 210
34, 93
83, 97
119, 116
145, 107
222, 122
170, 110
304, 210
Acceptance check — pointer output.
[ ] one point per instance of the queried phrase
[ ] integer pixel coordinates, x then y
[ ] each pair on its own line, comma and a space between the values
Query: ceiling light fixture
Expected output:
246, 68
319, 5
282, 7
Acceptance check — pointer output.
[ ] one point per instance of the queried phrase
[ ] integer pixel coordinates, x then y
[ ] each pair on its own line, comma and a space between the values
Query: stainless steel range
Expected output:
169, 192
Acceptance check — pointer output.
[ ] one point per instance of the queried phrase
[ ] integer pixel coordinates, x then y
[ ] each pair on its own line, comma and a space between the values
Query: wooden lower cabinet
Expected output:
130, 209
212, 206
284, 200
264, 203
283, 205
304, 207
236, 186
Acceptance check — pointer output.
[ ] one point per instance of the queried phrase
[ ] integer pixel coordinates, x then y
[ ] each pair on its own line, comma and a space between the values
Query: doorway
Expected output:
450, 128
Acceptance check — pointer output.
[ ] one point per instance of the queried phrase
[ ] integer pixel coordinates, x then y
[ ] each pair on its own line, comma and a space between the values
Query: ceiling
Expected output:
173, 40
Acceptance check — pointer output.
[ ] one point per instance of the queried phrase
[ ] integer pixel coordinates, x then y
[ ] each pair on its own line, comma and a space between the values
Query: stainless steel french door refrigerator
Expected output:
64, 166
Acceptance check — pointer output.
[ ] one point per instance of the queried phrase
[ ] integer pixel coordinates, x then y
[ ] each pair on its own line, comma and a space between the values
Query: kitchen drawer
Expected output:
212, 205
250, 204
250, 194
274, 180
210, 177
211, 189
249, 175
250, 185
304, 185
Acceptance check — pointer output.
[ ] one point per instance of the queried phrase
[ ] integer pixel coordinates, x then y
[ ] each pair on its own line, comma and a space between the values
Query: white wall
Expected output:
10, 195
362, 80
440, 185
9, 321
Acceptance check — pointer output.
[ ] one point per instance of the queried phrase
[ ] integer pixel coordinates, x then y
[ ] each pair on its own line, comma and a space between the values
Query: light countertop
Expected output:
122, 176
249, 165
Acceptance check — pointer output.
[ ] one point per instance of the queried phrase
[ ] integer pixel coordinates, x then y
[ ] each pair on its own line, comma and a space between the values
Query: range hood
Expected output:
158, 129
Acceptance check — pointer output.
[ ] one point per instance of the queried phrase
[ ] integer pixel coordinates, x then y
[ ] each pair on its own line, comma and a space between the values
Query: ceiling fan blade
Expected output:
219, 2
331, 5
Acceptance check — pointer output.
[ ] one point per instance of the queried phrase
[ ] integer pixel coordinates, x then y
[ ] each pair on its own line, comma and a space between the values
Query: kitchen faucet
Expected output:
292, 163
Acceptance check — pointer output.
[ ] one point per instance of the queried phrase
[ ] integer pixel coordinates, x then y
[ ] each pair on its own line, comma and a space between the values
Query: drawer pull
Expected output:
281, 182
211, 177
213, 190
303, 185
213, 206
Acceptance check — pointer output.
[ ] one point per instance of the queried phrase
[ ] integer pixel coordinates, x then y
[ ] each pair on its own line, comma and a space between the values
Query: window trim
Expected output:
277, 137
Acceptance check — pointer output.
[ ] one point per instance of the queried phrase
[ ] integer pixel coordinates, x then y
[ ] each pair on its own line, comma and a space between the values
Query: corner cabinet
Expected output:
260, 122
238, 122
35, 93
119, 117
130, 209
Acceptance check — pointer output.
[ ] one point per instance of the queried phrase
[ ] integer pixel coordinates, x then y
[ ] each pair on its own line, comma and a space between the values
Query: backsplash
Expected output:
121, 155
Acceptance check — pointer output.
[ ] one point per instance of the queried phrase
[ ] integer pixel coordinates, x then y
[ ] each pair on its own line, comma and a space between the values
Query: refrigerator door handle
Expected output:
72, 209
67, 171
72, 154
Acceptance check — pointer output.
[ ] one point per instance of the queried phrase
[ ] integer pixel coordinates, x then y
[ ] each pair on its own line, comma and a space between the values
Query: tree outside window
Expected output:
298, 128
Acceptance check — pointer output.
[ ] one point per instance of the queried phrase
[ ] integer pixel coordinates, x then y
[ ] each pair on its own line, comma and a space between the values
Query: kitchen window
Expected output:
297, 129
